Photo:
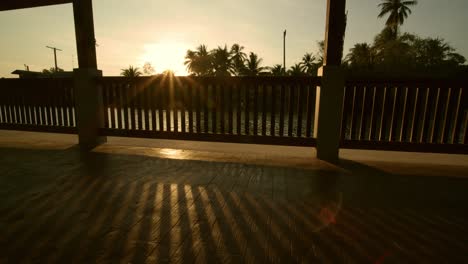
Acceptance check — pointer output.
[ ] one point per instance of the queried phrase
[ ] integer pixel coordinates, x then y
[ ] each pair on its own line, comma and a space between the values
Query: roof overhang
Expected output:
19, 4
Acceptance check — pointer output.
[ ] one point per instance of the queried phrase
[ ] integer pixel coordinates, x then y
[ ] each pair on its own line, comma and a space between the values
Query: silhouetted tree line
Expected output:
235, 62
398, 54
392, 53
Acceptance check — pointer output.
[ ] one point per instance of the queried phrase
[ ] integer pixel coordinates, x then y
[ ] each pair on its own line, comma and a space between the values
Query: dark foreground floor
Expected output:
58, 206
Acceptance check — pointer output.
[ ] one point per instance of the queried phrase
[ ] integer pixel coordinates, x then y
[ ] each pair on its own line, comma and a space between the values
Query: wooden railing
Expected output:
408, 115
413, 115
269, 110
37, 105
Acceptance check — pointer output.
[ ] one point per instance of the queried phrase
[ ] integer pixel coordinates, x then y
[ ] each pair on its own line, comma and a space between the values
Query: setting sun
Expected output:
165, 55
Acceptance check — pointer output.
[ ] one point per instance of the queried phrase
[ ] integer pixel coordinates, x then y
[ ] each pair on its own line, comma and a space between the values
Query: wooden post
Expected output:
88, 102
329, 100
84, 31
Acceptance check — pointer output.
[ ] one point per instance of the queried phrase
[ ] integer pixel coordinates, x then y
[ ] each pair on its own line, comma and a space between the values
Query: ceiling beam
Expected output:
19, 4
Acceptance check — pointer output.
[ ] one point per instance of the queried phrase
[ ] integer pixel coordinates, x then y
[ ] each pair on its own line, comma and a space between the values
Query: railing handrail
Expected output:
309, 80
376, 81
37, 79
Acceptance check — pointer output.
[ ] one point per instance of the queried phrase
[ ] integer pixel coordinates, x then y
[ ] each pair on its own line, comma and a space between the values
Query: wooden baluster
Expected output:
3, 87
264, 109
18, 107
221, 108
382, 114
230, 106
465, 133
115, 105
362, 123
247, 110
255, 112
291, 110
175, 105
344, 113
205, 106
52, 102
273, 110
445, 118
64, 106
423, 120
112, 105
457, 120
133, 102
34, 107
391, 137
120, 104
2, 98
190, 99
239, 109
300, 109
29, 106
168, 95
282, 106
140, 108
183, 106
71, 96
403, 115
434, 116
5, 100
10, 109
14, 106
46, 101
24, 106
148, 106
60, 103
159, 98
353, 107
311, 91
371, 118
16, 101
214, 107
152, 105
125, 88
414, 114
198, 98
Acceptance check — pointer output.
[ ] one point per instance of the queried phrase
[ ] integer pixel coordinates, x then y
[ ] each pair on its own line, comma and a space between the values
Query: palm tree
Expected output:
276, 70
198, 62
131, 72
390, 51
296, 70
361, 56
238, 58
309, 64
321, 52
221, 61
398, 11
252, 65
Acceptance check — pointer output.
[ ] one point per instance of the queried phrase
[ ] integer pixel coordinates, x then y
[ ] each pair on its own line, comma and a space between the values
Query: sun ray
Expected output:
165, 55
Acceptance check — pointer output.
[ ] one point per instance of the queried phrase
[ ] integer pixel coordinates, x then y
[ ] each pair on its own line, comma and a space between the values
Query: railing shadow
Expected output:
107, 207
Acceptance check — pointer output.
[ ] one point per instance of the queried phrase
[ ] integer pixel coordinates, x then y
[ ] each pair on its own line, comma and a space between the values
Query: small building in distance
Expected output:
24, 74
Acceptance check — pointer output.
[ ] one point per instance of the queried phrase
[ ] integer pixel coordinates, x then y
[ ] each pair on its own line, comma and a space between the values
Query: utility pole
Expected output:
284, 51
55, 56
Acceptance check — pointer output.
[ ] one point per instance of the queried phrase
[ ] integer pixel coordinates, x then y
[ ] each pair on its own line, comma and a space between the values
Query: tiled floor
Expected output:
127, 204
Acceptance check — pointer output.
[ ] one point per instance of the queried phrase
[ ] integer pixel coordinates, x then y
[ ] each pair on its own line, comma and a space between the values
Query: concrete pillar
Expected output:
328, 111
88, 108
329, 102
88, 100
